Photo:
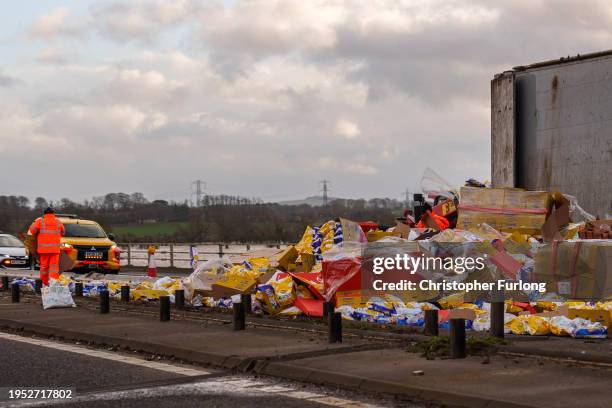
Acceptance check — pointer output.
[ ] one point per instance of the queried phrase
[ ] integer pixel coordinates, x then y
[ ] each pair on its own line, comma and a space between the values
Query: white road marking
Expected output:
228, 385
105, 355
217, 386
295, 393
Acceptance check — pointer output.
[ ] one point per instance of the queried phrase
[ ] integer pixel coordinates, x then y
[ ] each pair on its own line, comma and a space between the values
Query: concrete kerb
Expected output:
351, 382
375, 336
403, 338
227, 361
269, 366
208, 359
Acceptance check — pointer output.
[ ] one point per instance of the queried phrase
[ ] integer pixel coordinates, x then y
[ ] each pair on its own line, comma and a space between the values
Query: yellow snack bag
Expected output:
260, 265
451, 301
560, 326
241, 271
511, 308
304, 246
268, 298
537, 325
547, 305
284, 291
472, 306
516, 325
529, 324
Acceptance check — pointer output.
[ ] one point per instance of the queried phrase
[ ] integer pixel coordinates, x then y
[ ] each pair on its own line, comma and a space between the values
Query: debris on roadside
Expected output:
527, 237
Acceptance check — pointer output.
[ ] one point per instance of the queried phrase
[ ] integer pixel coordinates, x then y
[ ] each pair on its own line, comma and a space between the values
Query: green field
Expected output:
141, 230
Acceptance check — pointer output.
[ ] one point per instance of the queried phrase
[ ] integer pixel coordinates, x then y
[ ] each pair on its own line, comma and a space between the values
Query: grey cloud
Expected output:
7, 80
142, 21
250, 100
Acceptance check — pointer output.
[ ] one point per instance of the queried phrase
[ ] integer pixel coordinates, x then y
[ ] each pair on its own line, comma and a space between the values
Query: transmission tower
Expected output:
200, 186
325, 189
408, 199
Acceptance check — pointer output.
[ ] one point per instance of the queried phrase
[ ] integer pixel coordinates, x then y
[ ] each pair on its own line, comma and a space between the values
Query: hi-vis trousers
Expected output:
49, 267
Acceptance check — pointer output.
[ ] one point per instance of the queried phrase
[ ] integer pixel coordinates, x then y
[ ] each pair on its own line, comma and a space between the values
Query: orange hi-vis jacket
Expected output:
440, 221
49, 232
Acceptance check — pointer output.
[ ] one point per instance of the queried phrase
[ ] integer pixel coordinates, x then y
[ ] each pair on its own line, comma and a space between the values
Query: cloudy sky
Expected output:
263, 98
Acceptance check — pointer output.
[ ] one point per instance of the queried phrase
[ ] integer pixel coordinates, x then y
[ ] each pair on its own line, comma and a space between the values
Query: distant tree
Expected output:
40, 204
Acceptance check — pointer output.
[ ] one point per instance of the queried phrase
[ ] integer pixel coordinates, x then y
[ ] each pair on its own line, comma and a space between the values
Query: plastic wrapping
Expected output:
56, 295
433, 185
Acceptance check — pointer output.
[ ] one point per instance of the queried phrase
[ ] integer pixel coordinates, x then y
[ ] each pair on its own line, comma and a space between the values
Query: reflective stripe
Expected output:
49, 245
43, 230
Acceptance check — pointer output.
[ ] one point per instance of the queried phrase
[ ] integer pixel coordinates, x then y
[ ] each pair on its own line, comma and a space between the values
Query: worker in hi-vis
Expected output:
48, 231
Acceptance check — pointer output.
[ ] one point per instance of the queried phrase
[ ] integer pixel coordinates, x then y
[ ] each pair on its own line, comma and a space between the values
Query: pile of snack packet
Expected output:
295, 281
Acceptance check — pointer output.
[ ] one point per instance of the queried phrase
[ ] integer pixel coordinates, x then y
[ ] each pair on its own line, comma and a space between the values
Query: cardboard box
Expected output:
580, 270
602, 316
287, 257
231, 285
505, 209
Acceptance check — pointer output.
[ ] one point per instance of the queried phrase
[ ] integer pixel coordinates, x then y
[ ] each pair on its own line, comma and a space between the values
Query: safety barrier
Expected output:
178, 255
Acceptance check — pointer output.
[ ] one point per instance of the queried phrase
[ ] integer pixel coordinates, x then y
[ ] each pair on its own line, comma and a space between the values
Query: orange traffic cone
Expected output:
152, 269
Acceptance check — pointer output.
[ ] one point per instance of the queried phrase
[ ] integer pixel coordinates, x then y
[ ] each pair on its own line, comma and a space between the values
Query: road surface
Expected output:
108, 378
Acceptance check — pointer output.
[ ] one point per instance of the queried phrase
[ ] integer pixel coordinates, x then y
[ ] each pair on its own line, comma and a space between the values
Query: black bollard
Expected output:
78, 289
15, 293
38, 286
431, 323
5, 283
418, 201
328, 308
125, 293
179, 299
104, 302
457, 338
497, 319
164, 308
335, 327
239, 316
245, 299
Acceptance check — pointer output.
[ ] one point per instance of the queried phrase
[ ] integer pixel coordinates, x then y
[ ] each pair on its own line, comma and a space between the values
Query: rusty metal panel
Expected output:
564, 130
503, 147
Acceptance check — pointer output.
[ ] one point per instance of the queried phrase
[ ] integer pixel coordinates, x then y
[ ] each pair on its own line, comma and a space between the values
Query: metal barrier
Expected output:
172, 252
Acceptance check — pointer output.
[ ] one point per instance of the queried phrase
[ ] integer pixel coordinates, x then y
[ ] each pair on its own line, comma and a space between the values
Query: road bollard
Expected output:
5, 283
457, 338
498, 309
15, 293
179, 299
328, 308
78, 289
104, 302
245, 299
164, 308
38, 286
125, 293
335, 327
497, 319
431, 323
239, 316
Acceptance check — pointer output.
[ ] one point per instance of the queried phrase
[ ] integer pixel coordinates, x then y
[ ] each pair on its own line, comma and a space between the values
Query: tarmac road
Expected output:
107, 378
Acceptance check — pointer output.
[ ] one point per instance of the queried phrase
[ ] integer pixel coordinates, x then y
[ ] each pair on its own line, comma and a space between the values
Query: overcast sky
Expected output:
263, 98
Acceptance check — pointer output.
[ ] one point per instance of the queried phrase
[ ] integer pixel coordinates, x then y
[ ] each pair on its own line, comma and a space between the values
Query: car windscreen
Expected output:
9, 241
84, 231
